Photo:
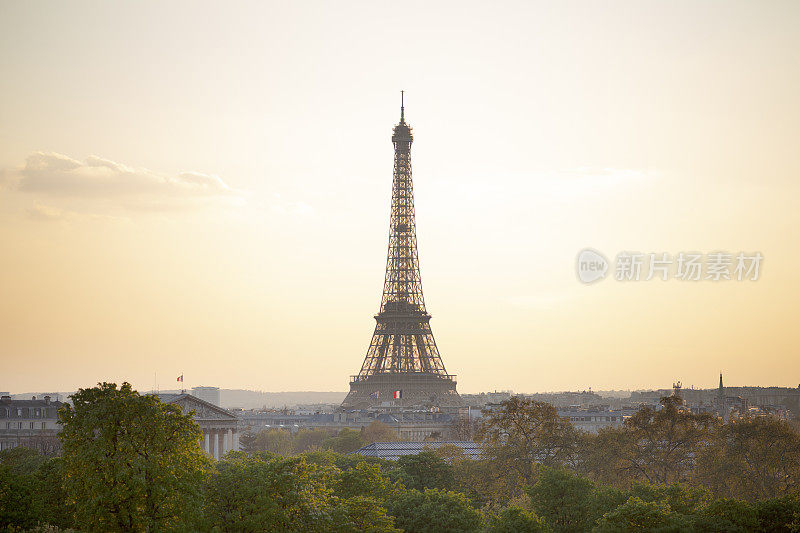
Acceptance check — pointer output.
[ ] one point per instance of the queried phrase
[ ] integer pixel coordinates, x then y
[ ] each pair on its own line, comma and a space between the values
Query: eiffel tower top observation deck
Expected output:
402, 355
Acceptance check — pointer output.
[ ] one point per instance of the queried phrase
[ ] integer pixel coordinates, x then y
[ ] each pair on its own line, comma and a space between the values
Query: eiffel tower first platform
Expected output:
403, 365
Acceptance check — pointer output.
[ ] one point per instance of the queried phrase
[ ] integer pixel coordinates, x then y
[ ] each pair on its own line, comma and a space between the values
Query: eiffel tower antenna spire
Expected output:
402, 360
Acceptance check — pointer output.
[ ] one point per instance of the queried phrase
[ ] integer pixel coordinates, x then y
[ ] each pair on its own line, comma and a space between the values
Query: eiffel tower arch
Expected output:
402, 355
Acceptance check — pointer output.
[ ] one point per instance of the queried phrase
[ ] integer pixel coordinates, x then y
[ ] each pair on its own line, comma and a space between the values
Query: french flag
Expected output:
180, 378
398, 394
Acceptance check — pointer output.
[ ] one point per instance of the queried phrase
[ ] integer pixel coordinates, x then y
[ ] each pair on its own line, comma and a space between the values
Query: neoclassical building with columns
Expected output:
220, 426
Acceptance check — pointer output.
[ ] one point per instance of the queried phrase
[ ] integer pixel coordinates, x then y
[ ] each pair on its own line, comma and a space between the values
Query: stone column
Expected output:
221, 443
229, 439
236, 440
205, 442
213, 443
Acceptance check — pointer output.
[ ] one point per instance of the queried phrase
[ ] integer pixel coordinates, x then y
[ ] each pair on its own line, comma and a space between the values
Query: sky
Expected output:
203, 188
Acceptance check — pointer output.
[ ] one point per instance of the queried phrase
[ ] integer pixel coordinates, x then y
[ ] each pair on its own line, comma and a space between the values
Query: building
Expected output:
394, 450
402, 365
479, 400
413, 424
30, 423
593, 420
220, 426
208, 394
722, 399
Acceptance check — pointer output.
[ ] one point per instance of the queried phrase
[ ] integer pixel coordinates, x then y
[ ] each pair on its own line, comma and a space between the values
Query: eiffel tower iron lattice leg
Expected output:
403, 364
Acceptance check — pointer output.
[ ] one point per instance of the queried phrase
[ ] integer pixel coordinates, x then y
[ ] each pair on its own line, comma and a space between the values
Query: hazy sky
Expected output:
204, 188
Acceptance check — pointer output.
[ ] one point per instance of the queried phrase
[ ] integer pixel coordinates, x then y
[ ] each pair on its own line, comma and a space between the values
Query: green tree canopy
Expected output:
265, 492
516, 520
434, 511
348, 440
18, 487
131, 463
362, 514
737, 515
779, 515
638, 515
365, 479
426, 470
566, 500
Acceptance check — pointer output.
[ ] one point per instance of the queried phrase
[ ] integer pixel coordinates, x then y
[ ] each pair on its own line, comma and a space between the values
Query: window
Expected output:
44, 424
31, 425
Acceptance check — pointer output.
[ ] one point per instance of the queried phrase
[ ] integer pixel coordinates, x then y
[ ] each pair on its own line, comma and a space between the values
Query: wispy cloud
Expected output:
58, 174
97, 182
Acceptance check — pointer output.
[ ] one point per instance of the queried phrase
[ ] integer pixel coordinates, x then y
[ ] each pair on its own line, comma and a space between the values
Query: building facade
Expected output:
30, 423
220, 426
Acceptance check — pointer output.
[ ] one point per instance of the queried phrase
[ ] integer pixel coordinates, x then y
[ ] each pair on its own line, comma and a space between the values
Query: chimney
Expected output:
33, 397
47, 400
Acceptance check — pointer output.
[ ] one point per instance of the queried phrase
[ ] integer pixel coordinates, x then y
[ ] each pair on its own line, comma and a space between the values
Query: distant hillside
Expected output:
249, 399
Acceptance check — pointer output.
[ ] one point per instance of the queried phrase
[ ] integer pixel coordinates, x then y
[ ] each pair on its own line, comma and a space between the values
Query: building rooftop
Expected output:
393, 450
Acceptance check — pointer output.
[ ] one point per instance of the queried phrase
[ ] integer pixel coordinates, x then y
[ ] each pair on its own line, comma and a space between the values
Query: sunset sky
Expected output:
204, 189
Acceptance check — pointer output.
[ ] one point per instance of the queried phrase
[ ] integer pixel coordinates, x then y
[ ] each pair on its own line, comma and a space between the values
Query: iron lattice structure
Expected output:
402, 355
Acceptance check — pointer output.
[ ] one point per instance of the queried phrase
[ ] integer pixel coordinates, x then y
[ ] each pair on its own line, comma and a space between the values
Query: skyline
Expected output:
192, 190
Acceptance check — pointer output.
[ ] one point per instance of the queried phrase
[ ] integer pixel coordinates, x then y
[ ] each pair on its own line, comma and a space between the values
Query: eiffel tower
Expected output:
402, 365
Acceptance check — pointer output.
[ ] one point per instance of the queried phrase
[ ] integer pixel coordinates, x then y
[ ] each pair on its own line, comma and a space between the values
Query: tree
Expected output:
752, 458
18, 488
377, 431
516, 520
264, 492
309, 439
426, 469
565, 500
246, 441
365, 479
526, 432
657, 446
131, 463
54, 507
273, 440
362, 514
346, 441
434, 511
779, 515
483, 484
463, 429
638, 515
738, 515
31, 490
